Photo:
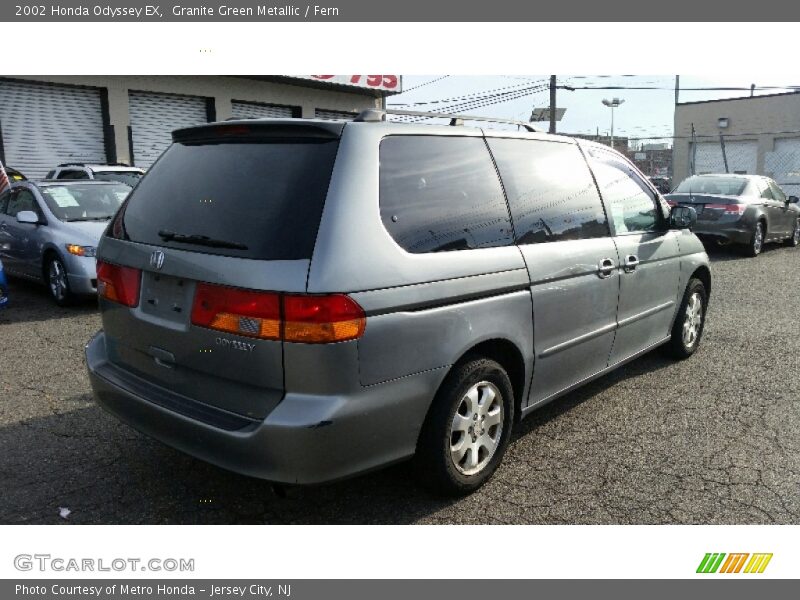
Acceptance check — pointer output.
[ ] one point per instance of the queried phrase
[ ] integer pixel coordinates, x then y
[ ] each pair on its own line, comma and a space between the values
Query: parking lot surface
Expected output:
713, 439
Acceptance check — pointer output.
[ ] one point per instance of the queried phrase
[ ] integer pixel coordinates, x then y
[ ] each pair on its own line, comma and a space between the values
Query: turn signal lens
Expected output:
322, 319
81, 250
118, 284
306, 319
243, 312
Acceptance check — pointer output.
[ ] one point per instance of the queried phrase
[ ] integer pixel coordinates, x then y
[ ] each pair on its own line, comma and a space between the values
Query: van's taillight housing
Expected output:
118, 284
306, 318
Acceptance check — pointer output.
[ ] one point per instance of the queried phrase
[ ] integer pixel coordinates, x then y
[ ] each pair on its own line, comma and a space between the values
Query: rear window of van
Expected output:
251, 199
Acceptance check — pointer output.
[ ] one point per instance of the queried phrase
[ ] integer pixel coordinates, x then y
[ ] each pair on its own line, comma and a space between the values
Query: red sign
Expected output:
389, 83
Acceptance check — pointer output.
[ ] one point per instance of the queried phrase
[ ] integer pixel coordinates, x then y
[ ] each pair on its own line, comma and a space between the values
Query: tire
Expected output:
463, 402
57, 282
682, 346
794, 240
756, 244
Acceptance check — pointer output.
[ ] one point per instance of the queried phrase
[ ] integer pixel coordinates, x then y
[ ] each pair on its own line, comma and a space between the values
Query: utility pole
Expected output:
752, 89
552, 103
677, 88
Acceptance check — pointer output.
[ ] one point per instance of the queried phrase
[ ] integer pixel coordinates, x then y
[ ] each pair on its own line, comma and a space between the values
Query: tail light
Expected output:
310, 319
729, 209
118, 284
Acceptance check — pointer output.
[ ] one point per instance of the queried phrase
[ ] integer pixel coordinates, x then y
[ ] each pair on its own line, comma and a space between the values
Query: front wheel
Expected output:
688, 327
467, 429
58, 282
794, 240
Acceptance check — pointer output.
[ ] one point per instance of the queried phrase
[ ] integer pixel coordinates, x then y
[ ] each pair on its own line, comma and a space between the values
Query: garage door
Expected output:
44, 125
321, 113
783, 165
153, 119
249, 110
742, 157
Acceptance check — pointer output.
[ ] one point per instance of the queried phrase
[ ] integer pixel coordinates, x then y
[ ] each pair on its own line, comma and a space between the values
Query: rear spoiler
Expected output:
250, 129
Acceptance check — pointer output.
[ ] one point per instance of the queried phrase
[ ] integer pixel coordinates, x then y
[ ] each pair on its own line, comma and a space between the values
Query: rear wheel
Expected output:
58, 282
756, 241
467, 429
688, 327
794, 239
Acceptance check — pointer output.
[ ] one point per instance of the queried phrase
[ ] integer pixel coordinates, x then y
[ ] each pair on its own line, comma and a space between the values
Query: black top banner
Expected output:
408, 11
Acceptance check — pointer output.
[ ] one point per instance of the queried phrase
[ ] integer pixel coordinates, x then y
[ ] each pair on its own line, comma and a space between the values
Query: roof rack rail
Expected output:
374, 115
72, 164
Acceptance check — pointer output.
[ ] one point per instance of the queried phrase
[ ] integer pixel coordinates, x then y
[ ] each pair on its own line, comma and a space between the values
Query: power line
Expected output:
426, 83
475, 95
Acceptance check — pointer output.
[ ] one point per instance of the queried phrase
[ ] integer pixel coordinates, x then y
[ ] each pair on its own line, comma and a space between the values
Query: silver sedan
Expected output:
49, 231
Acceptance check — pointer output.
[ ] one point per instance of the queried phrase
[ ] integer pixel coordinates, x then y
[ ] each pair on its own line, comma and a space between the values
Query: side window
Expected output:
4, 201
73, 174
629, 200
777, 192
766, 192
22, 200
441, 193
550, 191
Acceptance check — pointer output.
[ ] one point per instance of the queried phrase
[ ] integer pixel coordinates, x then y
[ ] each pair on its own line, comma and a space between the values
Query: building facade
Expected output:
45, 121
756, 134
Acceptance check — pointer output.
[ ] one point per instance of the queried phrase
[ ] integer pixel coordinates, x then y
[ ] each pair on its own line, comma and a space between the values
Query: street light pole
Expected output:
612, 104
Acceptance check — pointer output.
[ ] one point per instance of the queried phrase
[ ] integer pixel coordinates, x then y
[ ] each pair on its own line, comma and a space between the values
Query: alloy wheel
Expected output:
58, 280
758, 238
693, 320
477, 427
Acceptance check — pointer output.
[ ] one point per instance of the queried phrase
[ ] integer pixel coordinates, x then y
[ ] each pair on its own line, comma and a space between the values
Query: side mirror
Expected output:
682, 217
27, 216
793, 199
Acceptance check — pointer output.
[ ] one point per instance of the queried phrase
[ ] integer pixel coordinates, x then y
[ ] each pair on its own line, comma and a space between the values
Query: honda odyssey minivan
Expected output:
353, 294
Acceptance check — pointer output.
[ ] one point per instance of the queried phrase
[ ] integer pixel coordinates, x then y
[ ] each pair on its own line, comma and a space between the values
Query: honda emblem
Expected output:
157, 259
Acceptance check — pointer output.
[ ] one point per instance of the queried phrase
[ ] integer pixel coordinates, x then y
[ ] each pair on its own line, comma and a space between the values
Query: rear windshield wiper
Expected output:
199, 240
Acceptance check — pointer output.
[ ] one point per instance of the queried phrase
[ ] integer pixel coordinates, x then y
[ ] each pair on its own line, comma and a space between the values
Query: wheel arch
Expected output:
703, 273
510, 357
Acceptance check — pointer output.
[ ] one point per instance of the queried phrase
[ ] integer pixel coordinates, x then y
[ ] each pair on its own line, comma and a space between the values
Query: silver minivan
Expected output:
306, 300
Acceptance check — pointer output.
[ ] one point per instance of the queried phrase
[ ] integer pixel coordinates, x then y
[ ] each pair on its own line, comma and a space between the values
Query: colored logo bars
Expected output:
713, 563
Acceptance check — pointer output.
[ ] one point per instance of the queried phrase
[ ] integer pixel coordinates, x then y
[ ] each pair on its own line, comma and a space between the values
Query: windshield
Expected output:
84, 202
130, 178
699, 184
248, 199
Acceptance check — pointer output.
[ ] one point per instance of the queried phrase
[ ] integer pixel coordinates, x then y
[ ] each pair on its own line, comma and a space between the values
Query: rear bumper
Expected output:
737, 232
306, 439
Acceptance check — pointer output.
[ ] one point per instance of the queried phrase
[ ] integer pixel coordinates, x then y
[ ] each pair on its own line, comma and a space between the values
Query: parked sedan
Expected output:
49, 231
748, 210
3, 287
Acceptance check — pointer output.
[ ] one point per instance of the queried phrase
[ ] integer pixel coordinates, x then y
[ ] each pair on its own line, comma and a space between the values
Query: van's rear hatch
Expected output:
234, 204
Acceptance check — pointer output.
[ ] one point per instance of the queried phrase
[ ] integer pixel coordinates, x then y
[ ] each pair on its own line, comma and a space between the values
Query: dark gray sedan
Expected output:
748, 210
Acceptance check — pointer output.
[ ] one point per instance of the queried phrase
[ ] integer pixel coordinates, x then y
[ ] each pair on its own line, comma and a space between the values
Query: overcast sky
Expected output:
644, 113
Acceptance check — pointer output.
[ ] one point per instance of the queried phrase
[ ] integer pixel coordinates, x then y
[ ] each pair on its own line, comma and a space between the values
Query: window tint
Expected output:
712, 184
4, 201
259, 199
130, 178
550, 191
441, 193
22, 200
629, 200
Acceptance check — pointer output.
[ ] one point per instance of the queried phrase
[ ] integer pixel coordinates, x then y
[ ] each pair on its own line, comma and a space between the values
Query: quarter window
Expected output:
777, 192
441, 193
550, 191
628, 199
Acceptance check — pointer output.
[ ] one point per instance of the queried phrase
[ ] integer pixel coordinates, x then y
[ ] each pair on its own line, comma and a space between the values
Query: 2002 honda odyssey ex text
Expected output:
352, 294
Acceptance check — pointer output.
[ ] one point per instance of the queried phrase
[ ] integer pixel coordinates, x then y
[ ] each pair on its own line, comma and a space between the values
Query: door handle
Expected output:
631, 262
605, 268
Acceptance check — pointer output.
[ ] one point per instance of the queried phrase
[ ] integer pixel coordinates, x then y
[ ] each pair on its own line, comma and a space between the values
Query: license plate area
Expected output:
698, 208
166, 298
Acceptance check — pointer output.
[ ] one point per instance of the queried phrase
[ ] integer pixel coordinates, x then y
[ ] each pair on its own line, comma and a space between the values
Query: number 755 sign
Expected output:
378, 82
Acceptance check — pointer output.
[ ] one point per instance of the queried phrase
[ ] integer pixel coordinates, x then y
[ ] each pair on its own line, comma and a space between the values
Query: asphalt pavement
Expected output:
711, 440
